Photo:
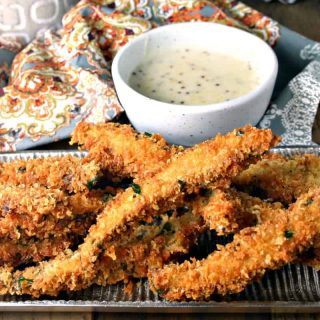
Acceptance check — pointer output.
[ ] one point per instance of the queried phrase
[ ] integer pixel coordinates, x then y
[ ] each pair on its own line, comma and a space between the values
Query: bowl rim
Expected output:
196, 108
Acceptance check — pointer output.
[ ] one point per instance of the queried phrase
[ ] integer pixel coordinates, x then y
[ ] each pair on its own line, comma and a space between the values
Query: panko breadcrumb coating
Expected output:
281, 179
223, 212
21, 227
14, 253
33, 206
253, 251
212, 163
121, 150
149, 246
63, 173
228, 211
39, 211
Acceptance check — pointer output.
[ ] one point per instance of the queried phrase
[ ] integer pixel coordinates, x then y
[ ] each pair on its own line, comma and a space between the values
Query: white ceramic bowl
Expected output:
185, 124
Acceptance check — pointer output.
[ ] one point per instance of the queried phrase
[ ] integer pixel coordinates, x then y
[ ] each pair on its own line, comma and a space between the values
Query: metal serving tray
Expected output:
294, 288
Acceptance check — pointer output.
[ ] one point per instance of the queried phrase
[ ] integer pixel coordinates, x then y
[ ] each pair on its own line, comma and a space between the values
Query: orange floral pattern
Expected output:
65, 76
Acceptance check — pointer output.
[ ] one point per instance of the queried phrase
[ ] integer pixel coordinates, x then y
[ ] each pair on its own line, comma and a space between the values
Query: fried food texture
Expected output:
13, 254
121, 150
281, 179
229, 211
253, 251
42, 212
148, 246
212, 163
64, 173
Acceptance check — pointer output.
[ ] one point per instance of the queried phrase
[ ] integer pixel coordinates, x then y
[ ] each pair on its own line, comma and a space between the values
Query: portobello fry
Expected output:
253, 251
280, 178
212, 163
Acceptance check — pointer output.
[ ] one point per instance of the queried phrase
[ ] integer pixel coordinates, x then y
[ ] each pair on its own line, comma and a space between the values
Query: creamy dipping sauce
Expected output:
192, 76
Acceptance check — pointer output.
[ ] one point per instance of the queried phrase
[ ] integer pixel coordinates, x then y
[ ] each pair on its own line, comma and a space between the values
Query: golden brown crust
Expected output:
254, 250
214, 163
33, 250
29, 208
147, 247
64, 173
229, 211
38, 211
224, 212
121, 150
17, 227
281, 179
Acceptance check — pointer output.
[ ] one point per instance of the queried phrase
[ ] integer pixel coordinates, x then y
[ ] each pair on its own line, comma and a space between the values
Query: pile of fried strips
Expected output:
134, 205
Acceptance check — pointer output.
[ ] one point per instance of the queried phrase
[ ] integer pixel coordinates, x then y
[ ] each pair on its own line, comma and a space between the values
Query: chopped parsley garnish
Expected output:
148, 134
160, 292
92, 184
136, 188
288, 234
308, 202
182, 185
21, 279
167, 227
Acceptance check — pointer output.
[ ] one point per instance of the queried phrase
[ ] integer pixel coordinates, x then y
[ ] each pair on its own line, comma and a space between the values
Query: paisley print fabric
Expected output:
64, 77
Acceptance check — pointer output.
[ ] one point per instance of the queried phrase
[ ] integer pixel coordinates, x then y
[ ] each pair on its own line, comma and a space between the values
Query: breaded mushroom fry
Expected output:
253, 251
121, 150
281, 179
212, 163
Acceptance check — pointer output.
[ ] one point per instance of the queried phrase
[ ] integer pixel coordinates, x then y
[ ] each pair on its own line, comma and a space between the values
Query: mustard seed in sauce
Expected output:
200, 77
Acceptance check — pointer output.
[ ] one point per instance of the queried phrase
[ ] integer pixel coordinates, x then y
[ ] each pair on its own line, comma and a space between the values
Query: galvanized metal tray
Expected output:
294, 288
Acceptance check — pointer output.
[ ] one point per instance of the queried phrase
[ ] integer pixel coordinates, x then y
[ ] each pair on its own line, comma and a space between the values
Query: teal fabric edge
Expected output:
288, 51
6, 56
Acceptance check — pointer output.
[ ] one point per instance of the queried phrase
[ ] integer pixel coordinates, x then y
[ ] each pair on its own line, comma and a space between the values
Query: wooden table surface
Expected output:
123, 316
303, 17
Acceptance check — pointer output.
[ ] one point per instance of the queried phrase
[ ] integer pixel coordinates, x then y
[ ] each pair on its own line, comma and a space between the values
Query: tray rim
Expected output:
162, 307
158, 306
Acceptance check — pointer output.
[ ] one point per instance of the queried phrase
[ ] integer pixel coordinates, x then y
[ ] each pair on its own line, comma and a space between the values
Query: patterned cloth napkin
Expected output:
64, 76
293, 113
